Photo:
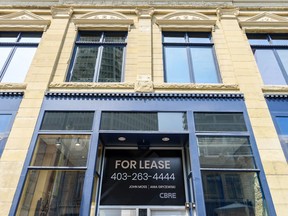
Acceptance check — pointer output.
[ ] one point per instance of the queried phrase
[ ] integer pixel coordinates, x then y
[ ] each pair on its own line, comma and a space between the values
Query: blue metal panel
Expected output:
89, 176
195, 164
10, 101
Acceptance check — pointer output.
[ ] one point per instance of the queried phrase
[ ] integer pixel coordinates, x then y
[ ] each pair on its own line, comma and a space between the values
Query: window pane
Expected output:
31, 37
258, 39
199, 37
19, 65
176, 65
283, 54
203, 63
115, 37
4, 52
174, 37
48, 192
233, 193
8, 37
172, 121
61, 150
282, 123
111, 64
90, 36
219, 122
117, 212
225, 152
149, 121
129, 121
67, 121
279, 39
269, 68
4, 122
84, 64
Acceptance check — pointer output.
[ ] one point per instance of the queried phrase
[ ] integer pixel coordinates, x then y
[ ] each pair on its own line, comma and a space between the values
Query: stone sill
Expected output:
13, 86
142, 86
275, 89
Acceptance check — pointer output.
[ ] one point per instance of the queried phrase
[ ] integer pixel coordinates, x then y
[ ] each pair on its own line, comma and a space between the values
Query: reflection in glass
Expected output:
225, 152
168, 213
4, 122
283, 55
258, 39
117, 212
48, 192
116, 37
146, 121
31, 37
8, 36
174, 37
203, 65
233, 193
282, 123
64, 120
279, 39
84, 66
4, 52
111, 64
269, 67
61, 150
176, 65
219, 122
90, 36
203, 37
19, 65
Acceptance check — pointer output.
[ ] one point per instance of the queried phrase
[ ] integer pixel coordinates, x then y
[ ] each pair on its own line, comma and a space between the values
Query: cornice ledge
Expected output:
201, 87
86, 85
13, 86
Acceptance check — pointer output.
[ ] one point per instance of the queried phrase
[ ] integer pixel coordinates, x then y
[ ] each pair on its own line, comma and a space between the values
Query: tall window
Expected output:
189, 58
55, 178
16, 54
282, 128
229, 174
98, 57
5, 123
271, 54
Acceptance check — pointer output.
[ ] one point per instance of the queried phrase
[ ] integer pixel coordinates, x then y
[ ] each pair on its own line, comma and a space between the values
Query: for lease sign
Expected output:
135, 177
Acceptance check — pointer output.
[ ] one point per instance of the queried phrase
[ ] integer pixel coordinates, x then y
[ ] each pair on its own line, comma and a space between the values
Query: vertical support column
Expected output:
144, 57
38, 79
250, 82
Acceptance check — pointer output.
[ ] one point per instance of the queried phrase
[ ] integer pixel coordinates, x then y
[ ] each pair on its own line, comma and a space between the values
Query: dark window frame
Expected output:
272, 47
101, 44
15, 45
188, 45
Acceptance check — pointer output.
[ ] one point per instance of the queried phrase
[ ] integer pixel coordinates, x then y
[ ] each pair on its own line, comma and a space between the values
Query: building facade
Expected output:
143, 108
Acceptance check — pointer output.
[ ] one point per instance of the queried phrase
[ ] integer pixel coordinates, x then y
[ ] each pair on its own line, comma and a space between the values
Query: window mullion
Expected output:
98, 64
190, 64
